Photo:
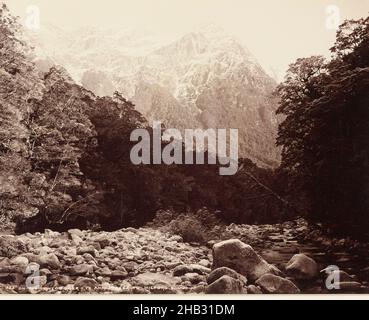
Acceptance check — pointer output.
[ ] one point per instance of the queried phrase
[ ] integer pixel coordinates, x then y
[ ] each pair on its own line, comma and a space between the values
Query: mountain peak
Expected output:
206, 77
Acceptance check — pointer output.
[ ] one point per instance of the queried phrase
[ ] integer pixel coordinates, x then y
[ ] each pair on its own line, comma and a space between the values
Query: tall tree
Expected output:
19, 86
326, 129
60, 134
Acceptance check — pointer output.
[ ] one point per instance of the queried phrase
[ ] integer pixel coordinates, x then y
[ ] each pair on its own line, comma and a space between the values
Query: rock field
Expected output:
149, 261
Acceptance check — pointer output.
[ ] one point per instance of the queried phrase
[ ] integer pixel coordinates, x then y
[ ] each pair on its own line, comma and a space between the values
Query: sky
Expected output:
277, 32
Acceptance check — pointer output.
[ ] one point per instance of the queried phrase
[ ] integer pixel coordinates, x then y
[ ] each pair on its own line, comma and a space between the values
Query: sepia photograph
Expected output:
194, 148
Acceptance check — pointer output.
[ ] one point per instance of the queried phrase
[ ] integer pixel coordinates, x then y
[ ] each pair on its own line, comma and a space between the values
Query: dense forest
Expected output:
65, 153
325, 136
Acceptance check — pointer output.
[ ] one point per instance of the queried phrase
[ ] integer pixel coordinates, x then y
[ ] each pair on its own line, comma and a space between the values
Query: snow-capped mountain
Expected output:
204, 79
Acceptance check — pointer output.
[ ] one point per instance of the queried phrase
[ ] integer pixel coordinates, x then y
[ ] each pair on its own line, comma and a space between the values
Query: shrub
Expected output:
200, 226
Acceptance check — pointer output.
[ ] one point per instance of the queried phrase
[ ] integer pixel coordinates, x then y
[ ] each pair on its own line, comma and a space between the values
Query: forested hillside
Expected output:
325, 136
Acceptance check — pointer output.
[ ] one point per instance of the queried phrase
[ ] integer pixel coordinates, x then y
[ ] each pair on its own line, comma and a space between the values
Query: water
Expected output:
279, 248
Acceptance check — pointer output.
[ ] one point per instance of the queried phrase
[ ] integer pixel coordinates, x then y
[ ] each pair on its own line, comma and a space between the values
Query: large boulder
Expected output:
45, 260
242, 258
302, 267
83, 282
226, 285
224, 271
76, 232
270, 283
19, 261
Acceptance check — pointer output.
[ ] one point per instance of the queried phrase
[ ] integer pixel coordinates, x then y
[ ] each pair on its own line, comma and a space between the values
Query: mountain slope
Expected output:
204, 79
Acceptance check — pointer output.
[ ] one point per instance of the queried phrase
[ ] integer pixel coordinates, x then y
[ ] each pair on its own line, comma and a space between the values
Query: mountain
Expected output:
204, 79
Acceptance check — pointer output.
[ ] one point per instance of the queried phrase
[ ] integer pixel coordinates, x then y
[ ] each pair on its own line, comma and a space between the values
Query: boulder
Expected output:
205, 263
198, 289
19, 261
45, 272
80, 269
83, 282
224, 271
58, 243
242, 258
7, 267
210, 244
63, 280
4, 262
118, 275
45, 260
104, 272
88, 257
76, 232
181, 270
194, 278
51, 234
86, 249
196, 268
302, 267
104, 241
77, 240
251, 289
270, 283
226, 285
68, 251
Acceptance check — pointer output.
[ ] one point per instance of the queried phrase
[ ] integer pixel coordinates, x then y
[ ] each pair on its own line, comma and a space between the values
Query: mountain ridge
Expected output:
203, 79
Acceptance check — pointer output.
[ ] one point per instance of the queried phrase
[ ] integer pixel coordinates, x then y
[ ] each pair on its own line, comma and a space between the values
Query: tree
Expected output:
129, 192
325, 133
20, 85
60, 134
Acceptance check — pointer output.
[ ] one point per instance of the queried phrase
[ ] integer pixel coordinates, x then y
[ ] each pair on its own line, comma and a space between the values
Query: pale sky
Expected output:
277, 32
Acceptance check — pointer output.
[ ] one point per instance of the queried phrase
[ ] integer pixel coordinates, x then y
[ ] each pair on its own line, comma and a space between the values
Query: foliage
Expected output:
200, 226
19, 84
325, 133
